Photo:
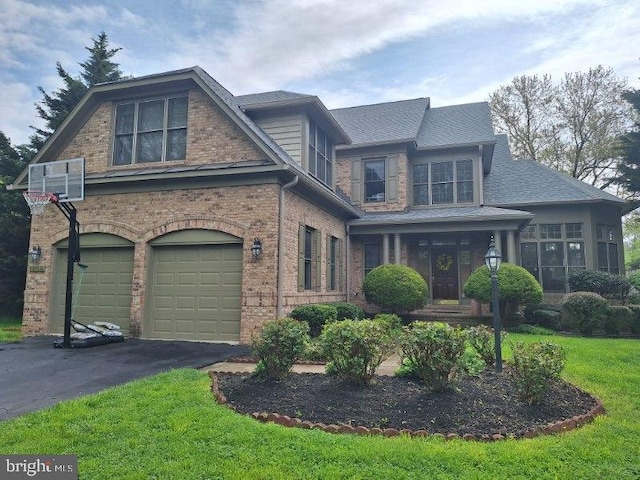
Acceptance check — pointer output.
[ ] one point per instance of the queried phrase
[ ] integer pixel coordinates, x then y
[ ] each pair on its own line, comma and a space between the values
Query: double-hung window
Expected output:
308, 258
151, 131
374, 180
443, 183
607, 249
372, 257
320, 154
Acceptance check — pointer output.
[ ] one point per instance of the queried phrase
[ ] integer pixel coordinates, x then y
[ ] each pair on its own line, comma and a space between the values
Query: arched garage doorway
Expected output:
194, 286
105, 294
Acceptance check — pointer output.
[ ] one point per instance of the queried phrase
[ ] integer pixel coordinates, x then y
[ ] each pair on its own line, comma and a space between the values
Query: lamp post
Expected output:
256, 248
493, 259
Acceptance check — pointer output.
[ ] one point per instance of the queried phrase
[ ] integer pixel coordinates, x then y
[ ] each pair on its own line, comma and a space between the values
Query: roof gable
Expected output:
467, 124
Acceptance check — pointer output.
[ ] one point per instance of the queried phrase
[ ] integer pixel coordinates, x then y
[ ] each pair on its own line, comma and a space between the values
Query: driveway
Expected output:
34, 375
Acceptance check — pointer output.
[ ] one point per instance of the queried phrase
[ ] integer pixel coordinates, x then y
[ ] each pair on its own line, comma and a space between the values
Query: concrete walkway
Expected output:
388, 367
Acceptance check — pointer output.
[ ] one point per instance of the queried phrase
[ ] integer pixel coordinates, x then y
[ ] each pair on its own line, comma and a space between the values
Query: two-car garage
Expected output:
193, 285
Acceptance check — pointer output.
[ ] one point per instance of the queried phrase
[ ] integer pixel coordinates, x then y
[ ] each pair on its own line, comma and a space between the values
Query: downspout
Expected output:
281, 252
480, 177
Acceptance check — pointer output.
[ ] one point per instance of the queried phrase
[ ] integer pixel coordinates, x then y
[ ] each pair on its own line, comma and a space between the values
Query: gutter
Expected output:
281, 252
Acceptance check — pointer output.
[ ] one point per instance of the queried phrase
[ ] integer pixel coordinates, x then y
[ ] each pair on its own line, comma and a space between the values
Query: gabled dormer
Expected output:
302, 126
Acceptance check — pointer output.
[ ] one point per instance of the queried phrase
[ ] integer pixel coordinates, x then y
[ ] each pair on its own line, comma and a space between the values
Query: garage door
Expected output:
195, 292
105, 293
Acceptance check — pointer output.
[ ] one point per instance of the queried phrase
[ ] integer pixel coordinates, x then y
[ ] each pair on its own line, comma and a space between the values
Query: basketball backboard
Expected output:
63, 178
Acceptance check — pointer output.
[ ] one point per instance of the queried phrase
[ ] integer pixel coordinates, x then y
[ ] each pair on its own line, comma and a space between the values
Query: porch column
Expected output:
385, 248
497, 238
511, 246
396, 248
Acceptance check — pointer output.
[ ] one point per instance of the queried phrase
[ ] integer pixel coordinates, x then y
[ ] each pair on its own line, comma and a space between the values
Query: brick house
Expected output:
181, 177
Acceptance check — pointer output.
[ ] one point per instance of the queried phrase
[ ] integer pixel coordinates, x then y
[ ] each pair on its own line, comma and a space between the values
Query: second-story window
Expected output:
320, 154
374, 180
442, 183
150, 131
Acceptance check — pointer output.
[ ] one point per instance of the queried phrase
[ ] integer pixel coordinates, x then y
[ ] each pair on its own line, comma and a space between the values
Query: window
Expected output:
320, 154
334, 263
151, 131
551, 252
374, 183
308, 258
371, 257
607, 249
443, 183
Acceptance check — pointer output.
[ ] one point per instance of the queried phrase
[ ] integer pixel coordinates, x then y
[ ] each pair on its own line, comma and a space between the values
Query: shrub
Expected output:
584, 310
602, 283
433, 350
536, 365
544, 315
316, 315
390, 321
618, 318
348, 311
634, 323
355, 349
396, 288
634, 298
532, 330
280, 343
482, 339
515, 285
634, 279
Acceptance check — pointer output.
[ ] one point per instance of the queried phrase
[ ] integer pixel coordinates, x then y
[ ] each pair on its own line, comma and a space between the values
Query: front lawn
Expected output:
168, 427
10, 329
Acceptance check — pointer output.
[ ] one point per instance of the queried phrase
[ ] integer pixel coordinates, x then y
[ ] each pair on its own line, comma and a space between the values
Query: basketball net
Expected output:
37, 201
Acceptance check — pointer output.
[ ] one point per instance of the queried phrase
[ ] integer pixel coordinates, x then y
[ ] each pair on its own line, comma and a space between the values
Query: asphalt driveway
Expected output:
34, 375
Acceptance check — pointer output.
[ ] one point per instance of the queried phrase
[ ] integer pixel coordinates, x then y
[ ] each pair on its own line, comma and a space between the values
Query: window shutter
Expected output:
392, 178
301, 230
339, 264
317, 259
356, 182
327, 262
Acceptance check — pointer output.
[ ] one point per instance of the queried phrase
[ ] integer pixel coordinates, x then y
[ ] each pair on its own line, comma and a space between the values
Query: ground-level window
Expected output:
551, 252
308, 258
371, 257
334, 263
607, 249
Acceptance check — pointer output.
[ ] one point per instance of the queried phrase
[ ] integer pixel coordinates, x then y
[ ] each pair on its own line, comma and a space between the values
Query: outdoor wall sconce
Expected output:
35, 254
256, 248
493, 259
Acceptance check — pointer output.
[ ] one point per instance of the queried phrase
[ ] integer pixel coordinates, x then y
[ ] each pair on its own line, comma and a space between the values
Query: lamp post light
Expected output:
493, 259
256, 248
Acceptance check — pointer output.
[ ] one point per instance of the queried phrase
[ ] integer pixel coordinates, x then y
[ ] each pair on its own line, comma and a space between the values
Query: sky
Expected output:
347, 52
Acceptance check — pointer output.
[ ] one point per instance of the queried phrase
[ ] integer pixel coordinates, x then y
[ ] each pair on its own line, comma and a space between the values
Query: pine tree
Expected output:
14, 225
629, 166
55, 107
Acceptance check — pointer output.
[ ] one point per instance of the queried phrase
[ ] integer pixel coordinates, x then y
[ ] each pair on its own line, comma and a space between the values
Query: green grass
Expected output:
10, 329
169, 427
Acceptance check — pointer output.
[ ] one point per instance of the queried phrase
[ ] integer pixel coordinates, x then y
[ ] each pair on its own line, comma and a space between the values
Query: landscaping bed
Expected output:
477, 406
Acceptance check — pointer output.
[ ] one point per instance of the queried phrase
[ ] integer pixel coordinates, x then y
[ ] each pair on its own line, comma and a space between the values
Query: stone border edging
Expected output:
560, 426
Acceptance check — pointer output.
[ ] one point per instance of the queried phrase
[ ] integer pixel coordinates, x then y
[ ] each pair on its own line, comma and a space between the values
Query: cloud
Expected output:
14, 98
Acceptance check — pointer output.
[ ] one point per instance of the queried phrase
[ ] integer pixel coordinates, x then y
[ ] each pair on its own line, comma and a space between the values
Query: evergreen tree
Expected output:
56, 106
14, 225
629, 166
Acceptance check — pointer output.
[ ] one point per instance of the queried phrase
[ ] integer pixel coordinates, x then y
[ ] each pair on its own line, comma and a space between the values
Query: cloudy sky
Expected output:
348, 52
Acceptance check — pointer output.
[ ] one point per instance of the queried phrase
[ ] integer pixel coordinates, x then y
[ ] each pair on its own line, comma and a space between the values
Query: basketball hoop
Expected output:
38, 200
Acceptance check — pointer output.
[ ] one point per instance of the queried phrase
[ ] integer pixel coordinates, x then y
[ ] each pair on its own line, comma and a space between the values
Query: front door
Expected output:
444, 268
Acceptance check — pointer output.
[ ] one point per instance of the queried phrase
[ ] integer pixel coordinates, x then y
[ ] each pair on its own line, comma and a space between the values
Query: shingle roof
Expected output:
456, 125
382, 122
452, 214
522, 182
269, 97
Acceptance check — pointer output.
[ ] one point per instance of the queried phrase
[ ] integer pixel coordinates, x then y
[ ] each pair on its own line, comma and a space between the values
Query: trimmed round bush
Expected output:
515, 285
432, 350
584, 311
356, 348
544, 315
278, 345
617, 319
316, 315
348, 311
396, 288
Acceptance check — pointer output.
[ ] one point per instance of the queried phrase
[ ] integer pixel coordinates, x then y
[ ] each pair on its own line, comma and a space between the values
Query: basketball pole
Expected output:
73, 256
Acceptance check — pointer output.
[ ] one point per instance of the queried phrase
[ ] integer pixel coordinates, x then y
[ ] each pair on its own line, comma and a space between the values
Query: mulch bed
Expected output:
477, 406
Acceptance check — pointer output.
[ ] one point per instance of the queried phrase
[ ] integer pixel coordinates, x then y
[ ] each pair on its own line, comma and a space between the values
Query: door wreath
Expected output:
444, 262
